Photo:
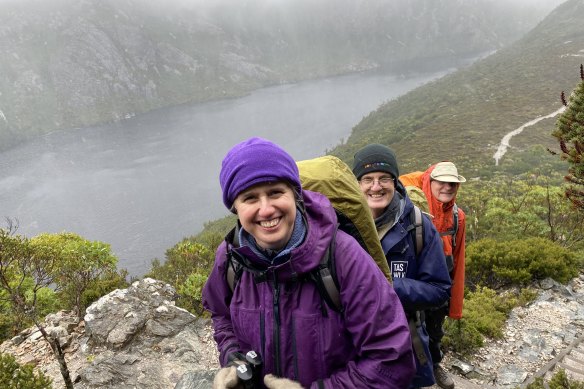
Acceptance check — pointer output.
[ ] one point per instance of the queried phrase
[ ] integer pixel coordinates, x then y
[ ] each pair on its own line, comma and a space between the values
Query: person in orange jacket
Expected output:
440, 184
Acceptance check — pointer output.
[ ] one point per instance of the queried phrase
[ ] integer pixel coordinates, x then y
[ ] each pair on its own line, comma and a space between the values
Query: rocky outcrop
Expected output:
131, 338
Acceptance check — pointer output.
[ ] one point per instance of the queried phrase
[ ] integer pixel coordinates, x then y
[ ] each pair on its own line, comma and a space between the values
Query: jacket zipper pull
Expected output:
276, 301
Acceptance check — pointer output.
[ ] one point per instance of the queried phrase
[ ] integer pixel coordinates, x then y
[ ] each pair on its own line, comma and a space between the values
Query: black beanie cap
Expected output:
375, 158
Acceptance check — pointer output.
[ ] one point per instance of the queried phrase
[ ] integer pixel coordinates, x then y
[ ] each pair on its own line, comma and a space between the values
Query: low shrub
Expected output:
559, 380
15, 376
186, 268
485, 313
519, 262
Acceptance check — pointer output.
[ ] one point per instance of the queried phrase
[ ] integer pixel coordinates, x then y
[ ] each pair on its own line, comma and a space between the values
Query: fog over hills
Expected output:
66, 63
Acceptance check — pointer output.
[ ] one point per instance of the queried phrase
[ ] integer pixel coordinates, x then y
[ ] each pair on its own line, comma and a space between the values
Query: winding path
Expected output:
502, 149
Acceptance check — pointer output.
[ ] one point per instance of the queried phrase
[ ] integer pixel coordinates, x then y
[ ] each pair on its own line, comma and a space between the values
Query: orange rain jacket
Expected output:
443, 221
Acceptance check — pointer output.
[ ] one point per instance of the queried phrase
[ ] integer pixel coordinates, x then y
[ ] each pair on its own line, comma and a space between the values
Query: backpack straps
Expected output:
414, 322
235, 262
455, 226
234, 267
417, 229
324, 276
454, 230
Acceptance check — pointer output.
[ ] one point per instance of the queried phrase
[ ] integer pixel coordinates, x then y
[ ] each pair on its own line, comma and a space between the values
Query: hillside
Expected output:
464, 116
67, 64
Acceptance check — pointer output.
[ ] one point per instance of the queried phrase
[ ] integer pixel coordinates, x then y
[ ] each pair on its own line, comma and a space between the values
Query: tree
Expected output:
570, 133
80, 265
19, 265
505, 209
34, 271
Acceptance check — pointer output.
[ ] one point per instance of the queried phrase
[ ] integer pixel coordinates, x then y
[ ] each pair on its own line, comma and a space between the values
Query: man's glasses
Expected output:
383, 181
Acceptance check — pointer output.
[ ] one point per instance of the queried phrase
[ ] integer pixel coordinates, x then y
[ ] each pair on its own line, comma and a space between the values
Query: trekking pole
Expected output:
255, 361
248, 369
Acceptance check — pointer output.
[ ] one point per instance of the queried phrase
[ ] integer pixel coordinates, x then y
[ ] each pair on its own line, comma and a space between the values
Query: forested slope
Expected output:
464, 116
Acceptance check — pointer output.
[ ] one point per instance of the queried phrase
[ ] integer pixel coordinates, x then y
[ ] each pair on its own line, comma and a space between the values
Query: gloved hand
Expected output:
273, 382
226, 378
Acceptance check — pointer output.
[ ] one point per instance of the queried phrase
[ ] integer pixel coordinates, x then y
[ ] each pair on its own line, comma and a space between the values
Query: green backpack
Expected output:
334, 179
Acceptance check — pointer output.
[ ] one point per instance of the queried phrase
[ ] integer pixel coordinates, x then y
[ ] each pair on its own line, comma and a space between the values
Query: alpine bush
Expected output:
559, 380
186, 268
519, 262
15, 376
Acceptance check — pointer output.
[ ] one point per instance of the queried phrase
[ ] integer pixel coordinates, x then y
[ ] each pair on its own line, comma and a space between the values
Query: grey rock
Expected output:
18, 339
137, 337
196, 380
461, 367
547, 283
511, 375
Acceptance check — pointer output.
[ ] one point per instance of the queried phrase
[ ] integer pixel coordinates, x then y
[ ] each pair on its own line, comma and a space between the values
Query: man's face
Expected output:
444, 191
378, 188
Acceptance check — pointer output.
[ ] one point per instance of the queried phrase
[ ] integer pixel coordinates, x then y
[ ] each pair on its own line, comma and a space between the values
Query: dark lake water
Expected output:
145, 183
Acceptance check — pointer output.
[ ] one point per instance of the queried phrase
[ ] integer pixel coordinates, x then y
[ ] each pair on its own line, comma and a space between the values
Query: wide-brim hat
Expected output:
446, 172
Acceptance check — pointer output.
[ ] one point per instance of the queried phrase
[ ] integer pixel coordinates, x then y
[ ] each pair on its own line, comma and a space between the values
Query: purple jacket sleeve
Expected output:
374, 317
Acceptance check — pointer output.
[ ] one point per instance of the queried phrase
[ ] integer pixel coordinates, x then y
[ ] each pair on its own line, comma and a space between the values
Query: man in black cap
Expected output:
420, 276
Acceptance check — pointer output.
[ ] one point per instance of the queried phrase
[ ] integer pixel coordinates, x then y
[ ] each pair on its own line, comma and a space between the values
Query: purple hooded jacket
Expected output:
298, 336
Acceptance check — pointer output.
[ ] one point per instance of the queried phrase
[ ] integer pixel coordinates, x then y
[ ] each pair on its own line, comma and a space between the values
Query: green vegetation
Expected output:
558, 381
15, 376
51, 272
518, 231
570, 133
485, 312
187, 267
526, 206
84, 270
519, 262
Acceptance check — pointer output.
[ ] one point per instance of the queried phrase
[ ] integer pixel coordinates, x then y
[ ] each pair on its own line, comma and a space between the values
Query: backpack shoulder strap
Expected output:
325, 278
452, 231
455, 226
234, 267
235, 262
416, 228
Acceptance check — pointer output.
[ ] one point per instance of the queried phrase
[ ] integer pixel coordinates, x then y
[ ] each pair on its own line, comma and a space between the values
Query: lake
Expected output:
145, 183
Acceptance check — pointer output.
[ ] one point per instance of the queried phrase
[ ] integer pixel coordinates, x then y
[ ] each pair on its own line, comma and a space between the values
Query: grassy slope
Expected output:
463, 116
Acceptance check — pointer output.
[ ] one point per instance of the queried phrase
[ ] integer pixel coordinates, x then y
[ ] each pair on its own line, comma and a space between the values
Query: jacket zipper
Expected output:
262, 335
277, 326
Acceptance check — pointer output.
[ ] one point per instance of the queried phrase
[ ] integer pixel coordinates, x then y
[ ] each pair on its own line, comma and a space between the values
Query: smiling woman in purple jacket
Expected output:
282, 234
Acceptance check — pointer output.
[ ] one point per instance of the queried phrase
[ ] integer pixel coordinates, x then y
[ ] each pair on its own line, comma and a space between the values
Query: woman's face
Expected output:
268, 212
